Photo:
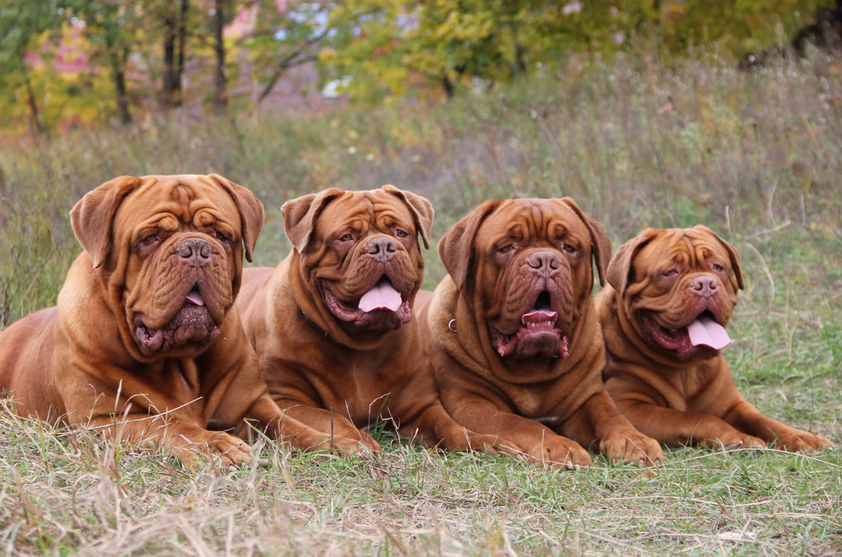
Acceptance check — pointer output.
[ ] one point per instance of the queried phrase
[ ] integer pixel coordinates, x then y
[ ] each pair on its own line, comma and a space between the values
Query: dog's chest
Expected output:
360, 389
531, 401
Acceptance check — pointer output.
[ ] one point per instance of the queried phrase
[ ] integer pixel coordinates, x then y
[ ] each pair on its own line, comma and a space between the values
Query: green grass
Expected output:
67, 491
756, 156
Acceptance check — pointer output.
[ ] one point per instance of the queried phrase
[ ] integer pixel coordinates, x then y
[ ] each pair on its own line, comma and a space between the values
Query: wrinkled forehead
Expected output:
684, 246
530, 219
363, 210
186, 198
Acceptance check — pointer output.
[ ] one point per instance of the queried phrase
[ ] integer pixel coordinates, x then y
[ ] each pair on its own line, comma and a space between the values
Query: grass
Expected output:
756, 156
65, 492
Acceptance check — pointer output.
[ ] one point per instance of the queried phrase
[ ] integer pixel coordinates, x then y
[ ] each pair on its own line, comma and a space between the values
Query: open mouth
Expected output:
537, 333
195, 296
382, 296
192, 323
382, 307
703, 331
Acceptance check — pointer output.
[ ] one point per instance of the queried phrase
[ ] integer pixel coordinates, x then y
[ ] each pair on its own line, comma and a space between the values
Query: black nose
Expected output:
544, 260
382, 249
194, 250
704, 286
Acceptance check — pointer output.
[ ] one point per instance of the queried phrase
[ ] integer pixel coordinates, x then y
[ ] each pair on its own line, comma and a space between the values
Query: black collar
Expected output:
319, 329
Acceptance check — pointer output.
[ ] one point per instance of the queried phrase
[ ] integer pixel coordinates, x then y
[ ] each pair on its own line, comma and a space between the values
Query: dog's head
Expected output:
679, 286
526, 266
169, 251
359, 255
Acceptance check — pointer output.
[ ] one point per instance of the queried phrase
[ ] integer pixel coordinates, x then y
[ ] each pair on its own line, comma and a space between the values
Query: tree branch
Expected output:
289, 61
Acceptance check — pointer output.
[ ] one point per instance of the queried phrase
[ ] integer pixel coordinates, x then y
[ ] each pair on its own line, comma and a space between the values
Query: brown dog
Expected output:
332, 323
514, 338
145, 342
664, 314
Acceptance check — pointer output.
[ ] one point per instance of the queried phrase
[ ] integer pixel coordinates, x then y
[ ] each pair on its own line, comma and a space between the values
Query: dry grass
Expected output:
68, 492
756, 156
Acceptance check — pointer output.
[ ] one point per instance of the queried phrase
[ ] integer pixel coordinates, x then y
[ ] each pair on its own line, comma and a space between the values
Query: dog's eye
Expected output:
347, 237
147, 241
507, 248
718, 267
569, 248
222, 237
671, 272
401, 233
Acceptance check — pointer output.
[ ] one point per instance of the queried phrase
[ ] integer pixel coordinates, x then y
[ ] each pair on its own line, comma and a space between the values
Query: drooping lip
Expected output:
191, 324
678, 339
377, 317
537, 332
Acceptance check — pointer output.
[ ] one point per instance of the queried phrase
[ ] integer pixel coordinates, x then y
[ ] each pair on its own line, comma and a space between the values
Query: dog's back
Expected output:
26, 361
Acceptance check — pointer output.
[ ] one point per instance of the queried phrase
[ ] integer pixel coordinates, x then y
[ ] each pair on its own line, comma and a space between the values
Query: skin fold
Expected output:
328, 363
659, 284
145, 343
513, 336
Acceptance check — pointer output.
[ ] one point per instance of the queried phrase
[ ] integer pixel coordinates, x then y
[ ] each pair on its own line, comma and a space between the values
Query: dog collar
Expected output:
319, 329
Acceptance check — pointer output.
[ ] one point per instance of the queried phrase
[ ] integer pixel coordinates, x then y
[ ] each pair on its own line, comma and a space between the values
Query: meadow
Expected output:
756, 155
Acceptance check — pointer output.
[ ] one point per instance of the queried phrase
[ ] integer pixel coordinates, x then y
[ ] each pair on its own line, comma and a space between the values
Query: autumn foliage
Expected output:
75, 62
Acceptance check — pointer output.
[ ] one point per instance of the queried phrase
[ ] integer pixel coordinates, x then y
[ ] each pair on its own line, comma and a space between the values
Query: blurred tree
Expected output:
825, 31
173, 15
222, 13
22, 24
375, 47
113, 28
205, 23
386, 45
284, 36
451, 40
743, 27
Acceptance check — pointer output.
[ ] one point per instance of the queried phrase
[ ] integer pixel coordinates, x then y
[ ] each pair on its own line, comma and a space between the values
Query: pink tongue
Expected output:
382, 296
538, 316
708, 332
195, 297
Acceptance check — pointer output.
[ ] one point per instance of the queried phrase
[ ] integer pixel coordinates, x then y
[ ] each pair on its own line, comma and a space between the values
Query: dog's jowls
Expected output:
513, 335
145, 342
664, 317
334, 327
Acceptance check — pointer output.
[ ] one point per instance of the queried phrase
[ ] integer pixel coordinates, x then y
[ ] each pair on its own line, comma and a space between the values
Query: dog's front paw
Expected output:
629, 445
735, 440
229, 450
363, 443
800, 440
560, 452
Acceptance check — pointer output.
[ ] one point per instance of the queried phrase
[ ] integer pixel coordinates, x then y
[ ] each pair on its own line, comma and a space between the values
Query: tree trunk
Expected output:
520, 61
182, 42
118, 71
33, 106
449, 87
220, 98
169, 55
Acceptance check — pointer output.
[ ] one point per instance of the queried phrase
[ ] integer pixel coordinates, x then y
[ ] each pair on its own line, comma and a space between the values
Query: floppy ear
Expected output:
422, 211
733, 254
455, 247
250, 209
621, 264
93, 216
300, 215
600, 241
